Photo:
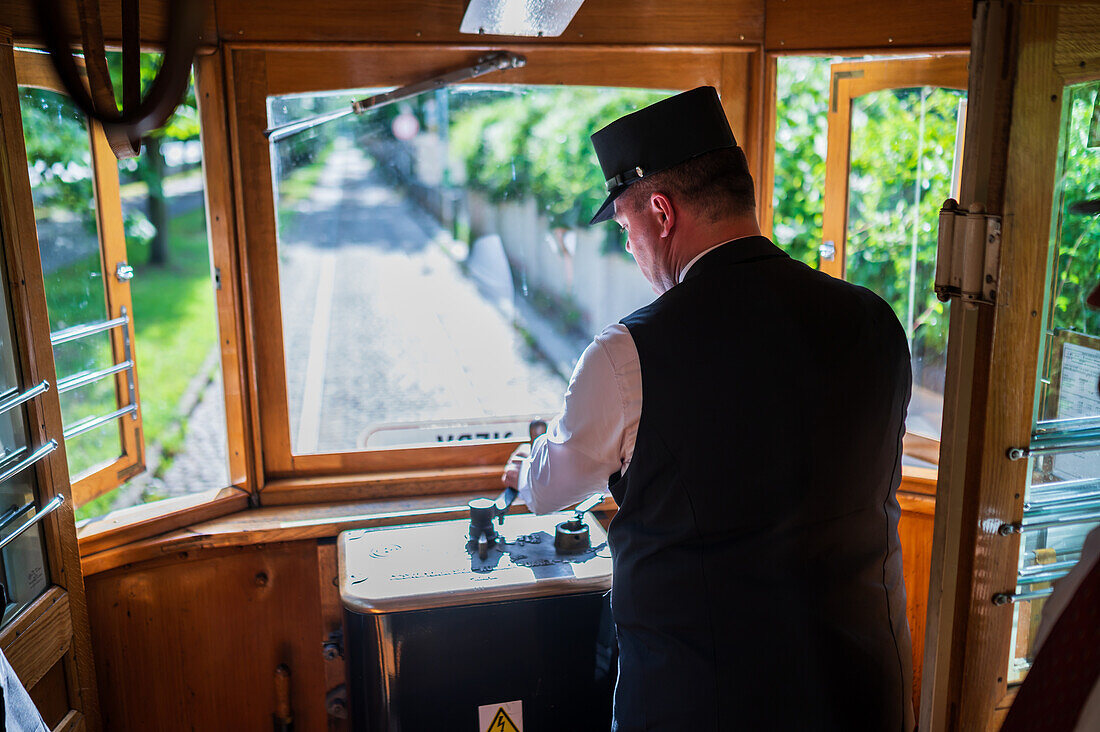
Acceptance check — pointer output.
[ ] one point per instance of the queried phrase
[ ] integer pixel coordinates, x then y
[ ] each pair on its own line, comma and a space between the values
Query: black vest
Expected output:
758, 579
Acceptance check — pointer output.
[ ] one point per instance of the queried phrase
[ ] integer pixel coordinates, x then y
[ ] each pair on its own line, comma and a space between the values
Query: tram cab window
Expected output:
437, 276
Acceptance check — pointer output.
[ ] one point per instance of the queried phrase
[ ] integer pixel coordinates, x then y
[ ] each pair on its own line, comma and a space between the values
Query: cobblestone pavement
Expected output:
382, 326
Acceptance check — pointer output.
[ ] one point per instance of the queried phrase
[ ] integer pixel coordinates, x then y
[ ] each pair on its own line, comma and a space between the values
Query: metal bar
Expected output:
15, 401
1060, 505
7, 457
90, 424
83, 331
128, 356
275, 134
49, 508
15, 514
1053, 566
493, 62
1004, 598
1046, 426
1053, 446
1024, 580
78, 380
1072, 520
31, 459
1040, 489
1062, 436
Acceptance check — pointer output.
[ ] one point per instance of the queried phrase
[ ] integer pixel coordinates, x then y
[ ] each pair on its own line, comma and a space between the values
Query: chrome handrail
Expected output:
49, 508
29, 460
90, 424
84, 330
87, 377
15, 401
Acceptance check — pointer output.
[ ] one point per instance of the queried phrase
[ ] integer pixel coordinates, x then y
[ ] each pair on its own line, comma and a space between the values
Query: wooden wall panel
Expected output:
915, 531
51, 695
819, 25
598, 21
20, 16
304, 70
192, 642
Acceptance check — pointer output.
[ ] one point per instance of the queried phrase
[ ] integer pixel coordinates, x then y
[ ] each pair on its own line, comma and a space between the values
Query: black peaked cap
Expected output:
655, 138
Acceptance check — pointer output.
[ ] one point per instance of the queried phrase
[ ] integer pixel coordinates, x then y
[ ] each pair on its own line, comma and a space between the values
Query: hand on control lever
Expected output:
511, 470
510, 477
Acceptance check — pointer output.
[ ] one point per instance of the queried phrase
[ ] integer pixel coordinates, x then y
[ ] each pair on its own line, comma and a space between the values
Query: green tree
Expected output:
1077, 234
150, 167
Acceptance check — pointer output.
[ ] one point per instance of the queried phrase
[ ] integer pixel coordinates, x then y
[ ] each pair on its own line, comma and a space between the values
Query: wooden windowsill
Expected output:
237, 525
919, 480
291, 523
150, 519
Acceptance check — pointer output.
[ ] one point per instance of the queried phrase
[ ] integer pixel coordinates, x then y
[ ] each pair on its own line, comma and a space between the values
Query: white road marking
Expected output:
309, 426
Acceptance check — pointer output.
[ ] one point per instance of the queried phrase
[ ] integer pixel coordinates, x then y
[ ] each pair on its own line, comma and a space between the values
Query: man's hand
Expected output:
511, 470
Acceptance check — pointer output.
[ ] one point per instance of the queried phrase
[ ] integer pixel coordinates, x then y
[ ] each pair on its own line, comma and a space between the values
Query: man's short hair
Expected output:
716, 185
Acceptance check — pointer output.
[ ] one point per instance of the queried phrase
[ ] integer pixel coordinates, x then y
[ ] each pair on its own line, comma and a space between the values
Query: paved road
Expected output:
380, 323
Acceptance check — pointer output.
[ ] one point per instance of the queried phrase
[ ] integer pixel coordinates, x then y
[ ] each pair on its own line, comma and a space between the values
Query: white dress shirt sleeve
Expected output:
594, 435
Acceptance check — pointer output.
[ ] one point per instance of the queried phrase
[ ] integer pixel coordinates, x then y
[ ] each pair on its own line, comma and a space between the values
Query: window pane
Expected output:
437, 275
801, 132
1065, 485
62, 184
23, 568
903, 147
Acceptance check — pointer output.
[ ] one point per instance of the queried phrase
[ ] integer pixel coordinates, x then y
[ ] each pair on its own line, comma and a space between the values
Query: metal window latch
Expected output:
968, 255
124, 272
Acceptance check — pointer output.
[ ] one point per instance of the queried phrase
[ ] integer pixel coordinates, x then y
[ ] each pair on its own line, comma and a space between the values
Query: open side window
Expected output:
78, 216
894, 155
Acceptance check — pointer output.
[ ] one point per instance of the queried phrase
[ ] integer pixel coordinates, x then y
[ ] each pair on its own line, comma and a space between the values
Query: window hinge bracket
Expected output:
968, 255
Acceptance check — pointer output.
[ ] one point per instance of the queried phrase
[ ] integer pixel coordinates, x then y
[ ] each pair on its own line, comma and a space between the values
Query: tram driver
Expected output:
749, 424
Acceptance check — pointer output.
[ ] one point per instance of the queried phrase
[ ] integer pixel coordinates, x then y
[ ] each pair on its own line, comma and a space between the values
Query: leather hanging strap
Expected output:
139, 116
99, 76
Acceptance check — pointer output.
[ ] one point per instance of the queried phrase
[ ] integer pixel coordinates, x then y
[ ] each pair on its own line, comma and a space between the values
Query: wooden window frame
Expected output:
35, 70
142, 521
60, 615
848, 82
1024, 56
258, 72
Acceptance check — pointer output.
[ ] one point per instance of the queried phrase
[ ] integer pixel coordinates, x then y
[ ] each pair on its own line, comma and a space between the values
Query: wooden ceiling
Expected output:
784, 26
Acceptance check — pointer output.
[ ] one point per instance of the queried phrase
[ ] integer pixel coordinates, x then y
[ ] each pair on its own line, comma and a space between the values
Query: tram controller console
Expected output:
480, 624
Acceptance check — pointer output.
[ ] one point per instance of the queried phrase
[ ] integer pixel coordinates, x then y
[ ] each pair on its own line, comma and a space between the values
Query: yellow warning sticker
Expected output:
502, 723
503, 717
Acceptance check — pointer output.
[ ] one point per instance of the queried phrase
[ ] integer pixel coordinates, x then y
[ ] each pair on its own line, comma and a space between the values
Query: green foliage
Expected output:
901, 163
535, 145
801, 130
59, 155
1077, 235
903, 148
184, 123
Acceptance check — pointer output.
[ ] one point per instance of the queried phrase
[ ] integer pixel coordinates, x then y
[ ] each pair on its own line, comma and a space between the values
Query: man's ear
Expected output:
664, 211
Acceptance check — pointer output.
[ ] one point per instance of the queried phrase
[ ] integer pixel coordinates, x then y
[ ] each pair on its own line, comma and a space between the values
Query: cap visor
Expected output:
607, 210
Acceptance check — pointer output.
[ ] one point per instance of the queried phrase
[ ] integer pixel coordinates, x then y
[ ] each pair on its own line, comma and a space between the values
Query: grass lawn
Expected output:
175, 330
175, 326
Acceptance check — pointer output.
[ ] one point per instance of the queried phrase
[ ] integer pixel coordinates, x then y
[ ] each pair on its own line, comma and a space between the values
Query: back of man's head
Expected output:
715, 186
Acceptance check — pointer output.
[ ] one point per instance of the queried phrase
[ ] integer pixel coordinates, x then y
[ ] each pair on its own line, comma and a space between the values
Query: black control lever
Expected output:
483, 511
572, 536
